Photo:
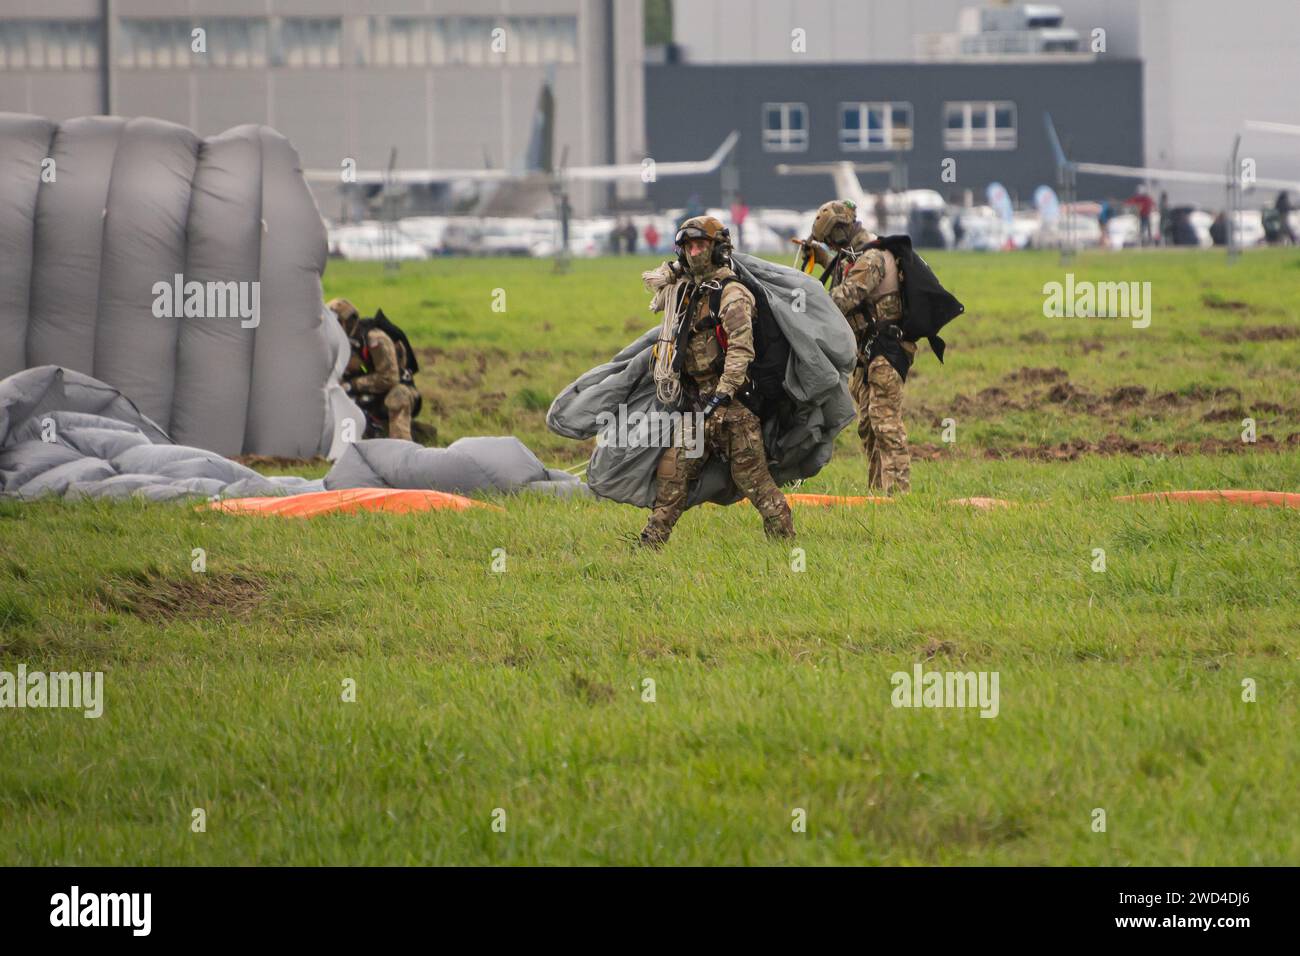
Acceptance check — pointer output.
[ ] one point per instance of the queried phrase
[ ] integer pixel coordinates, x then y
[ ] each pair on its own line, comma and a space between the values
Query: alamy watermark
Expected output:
75, 908
923, 688
653, 429
76, 689
1098, 300
179, 299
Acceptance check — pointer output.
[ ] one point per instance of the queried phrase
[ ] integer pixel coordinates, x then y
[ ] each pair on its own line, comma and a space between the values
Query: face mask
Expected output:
700, 263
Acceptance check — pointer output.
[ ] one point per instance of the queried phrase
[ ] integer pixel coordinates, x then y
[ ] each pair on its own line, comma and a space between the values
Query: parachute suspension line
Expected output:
668, 384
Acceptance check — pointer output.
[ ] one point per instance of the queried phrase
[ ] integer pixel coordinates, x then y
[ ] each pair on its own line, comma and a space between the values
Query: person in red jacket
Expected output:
1145, 206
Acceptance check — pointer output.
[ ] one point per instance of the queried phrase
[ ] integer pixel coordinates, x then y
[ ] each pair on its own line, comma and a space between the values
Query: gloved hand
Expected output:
717, 401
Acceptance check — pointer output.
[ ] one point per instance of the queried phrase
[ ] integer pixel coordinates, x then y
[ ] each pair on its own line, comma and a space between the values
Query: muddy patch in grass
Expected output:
934, 648
593, 692
986, 401
1038, 376
280, 461
1078, 398
1225, 415
1212, 301
1119, 445
1263, 333
1127, 395
159, 599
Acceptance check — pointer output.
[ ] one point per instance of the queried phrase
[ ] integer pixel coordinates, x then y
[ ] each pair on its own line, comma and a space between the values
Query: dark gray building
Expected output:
988, 118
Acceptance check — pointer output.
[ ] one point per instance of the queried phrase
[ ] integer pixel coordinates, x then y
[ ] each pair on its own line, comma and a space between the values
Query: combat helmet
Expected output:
343, 310
835, 223
704, 227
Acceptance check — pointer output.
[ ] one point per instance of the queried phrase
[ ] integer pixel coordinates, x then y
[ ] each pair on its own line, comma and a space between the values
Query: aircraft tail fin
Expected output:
539, 158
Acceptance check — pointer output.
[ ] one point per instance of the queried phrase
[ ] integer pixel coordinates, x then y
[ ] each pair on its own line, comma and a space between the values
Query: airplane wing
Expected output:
403, 177
377, 177
1176, 175
1265, 126
635, 170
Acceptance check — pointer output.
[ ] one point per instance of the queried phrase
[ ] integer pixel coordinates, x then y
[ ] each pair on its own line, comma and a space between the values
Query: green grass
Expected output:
522, 690
484, 370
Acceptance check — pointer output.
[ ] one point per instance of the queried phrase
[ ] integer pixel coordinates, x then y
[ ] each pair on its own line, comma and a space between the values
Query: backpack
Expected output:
764, 392
927, 305
384, 324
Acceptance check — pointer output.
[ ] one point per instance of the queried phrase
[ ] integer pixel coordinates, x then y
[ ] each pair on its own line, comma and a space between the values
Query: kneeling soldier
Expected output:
377, 370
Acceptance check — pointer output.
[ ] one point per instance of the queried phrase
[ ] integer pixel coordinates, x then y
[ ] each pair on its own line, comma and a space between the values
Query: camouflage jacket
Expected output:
703, 349
382, 373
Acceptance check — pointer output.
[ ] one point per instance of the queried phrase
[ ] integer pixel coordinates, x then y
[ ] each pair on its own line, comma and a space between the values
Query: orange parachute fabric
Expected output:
826, 501
1260, 499
348, 501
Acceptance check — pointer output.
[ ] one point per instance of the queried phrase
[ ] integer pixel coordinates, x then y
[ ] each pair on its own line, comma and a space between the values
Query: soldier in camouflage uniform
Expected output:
376, 369
867, 287
713, 354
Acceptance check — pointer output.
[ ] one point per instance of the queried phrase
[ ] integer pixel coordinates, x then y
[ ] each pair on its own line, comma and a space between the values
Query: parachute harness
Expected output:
668, 380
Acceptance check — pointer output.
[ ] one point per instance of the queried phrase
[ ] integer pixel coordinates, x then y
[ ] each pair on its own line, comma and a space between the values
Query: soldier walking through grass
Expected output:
710, 354
866, 284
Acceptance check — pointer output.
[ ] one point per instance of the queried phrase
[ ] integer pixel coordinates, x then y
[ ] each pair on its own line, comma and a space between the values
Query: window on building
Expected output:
49, 44
875, 126
435, 41
785, 127
234, 43
979, 124
154, 44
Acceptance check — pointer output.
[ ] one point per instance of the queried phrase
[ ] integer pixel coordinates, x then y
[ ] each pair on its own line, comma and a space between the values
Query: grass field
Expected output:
524, 690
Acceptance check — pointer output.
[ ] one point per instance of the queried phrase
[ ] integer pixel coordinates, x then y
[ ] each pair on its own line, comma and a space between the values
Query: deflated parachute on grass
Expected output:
66, 434
95, 212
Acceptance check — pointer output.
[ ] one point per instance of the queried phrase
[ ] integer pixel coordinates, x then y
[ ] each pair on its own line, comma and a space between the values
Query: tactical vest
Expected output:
877, 322
360, 342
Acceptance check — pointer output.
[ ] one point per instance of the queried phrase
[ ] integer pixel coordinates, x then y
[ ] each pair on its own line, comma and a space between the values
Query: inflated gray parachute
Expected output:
616, 402
64, 434
99, 216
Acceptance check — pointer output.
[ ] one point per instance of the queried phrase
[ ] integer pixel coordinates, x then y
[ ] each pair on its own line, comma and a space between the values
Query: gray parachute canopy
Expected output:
822, 354
99, 215
65, 434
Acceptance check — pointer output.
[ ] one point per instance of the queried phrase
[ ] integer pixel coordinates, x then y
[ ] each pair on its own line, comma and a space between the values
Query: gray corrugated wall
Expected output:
134, 203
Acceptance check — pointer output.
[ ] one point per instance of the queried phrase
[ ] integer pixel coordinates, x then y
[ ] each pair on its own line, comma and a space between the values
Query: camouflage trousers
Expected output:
400, 403
734, 432
877, 392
